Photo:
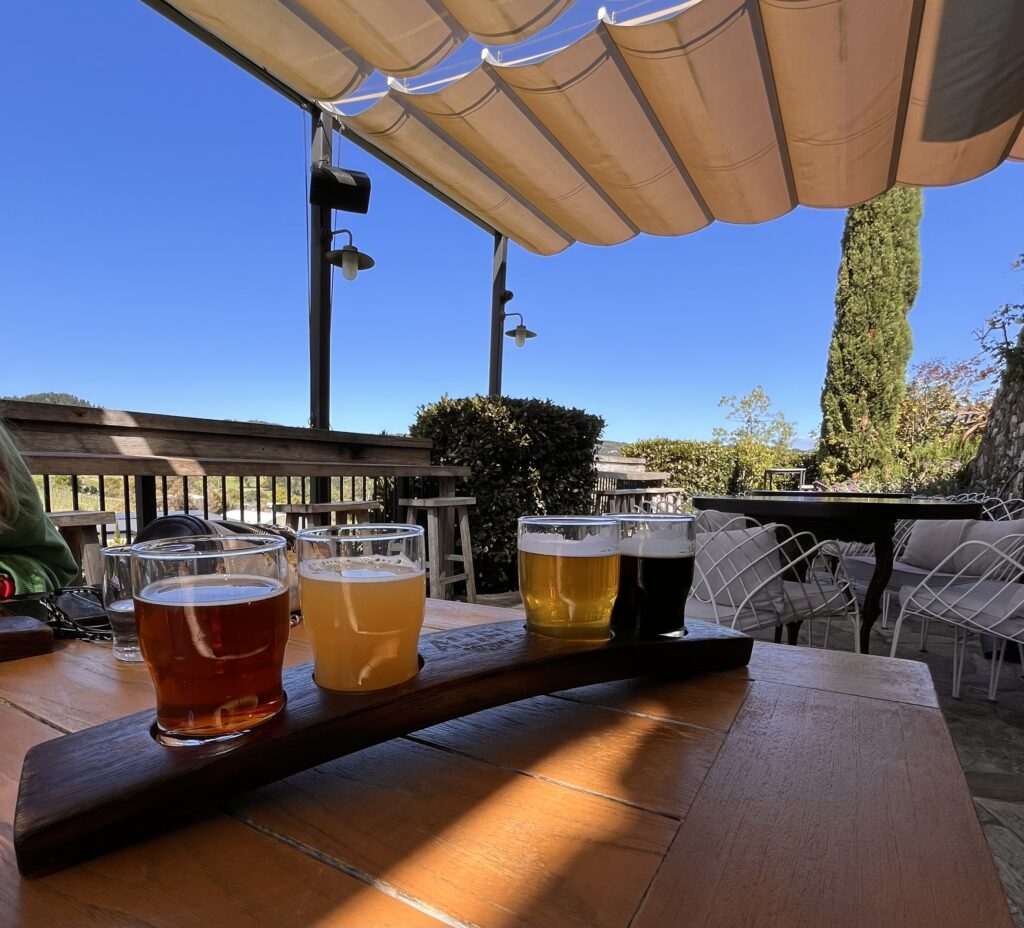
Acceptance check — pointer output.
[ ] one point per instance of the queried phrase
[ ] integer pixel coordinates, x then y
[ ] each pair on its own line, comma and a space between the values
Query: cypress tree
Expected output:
871, 341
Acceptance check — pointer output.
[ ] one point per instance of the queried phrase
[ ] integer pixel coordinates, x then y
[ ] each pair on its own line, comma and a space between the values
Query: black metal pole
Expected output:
499, 297
320, 301
145, 500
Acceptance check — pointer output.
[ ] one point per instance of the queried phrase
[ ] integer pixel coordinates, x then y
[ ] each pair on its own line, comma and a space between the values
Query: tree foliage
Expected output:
1000, 337
528, 457
871, 341
64, 399
756, 421
944, 402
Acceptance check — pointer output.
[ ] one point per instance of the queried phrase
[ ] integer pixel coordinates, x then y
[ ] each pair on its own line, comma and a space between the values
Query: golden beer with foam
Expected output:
364, 619
569, 576
363, 593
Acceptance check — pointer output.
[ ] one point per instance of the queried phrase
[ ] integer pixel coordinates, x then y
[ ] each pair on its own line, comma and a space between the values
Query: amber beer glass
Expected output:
212, 613
655, 574
363, 594
568, 575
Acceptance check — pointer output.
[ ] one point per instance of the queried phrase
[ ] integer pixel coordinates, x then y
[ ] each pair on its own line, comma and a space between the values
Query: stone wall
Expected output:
999, 467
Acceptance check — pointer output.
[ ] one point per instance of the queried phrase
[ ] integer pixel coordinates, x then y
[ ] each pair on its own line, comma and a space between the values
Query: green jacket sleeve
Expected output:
32, 552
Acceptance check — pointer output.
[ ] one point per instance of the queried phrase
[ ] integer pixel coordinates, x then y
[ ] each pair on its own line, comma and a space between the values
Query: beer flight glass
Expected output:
569, 575
212, 615
363, 594
655, 573
118, 603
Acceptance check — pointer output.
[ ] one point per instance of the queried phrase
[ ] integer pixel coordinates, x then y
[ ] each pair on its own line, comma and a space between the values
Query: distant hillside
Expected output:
610, 447
63, 399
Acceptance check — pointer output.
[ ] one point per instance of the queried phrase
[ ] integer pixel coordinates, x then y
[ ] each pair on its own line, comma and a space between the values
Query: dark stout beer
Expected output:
655, 575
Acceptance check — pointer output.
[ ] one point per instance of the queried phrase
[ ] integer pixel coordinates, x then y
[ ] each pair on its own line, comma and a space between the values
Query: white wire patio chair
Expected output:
760, 577
984, 594
1001, 510
715, 520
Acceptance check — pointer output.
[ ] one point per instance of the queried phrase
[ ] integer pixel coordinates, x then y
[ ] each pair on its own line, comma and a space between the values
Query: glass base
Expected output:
175, 739
570, 632
128, 653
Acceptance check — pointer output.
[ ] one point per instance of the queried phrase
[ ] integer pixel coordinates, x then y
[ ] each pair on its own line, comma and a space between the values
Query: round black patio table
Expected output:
847, 517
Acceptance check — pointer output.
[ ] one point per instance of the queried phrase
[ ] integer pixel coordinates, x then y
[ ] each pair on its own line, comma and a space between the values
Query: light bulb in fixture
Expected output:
349, 263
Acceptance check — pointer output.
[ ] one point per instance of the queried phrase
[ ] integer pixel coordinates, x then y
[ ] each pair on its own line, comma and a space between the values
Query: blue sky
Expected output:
153, 257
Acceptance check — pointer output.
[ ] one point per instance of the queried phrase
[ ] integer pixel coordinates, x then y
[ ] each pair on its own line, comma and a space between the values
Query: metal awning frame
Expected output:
320, 291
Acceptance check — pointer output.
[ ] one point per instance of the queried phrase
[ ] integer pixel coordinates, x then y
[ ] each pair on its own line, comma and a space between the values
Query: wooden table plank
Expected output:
649, 763
708, 701
829, 809
216, 872
844, 672
488, 846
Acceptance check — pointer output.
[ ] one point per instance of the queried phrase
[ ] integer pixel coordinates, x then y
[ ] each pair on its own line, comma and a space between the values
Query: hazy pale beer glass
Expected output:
363, 594
118, 603
655, 573
212, 613
568, 574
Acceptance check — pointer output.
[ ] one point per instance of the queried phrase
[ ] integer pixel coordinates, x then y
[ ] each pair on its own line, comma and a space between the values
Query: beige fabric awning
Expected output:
715, 109
325, 49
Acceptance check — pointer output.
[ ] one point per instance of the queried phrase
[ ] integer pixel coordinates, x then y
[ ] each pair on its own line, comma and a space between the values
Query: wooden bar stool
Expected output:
320, 513
80, 529
441, 541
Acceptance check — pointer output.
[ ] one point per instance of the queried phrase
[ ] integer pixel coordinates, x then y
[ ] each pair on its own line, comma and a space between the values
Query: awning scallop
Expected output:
735, 110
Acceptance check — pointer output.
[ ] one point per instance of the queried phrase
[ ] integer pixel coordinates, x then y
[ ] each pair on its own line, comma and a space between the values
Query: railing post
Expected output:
145, 500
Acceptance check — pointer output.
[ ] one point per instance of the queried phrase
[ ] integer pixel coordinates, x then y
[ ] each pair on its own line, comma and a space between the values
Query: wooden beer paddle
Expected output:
89, 792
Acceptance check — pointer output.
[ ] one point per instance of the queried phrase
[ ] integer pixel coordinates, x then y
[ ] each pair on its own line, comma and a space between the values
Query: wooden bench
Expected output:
57, 440
630, 500
320, 513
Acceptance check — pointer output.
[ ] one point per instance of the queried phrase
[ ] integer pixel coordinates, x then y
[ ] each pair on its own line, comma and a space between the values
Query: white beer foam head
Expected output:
370, 569
643, 545
555, 545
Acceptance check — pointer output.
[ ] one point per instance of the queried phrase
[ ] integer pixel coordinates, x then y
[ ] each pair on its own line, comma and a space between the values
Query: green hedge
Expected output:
528, 457
714, 468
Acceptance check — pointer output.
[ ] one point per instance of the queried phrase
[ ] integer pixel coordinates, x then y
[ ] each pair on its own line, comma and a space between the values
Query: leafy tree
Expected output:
1000, 337
943, 402
760, 439
871, 342
65, 399
756, 421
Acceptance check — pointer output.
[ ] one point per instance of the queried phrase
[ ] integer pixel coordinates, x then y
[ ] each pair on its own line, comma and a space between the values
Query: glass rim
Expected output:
116, 550
361, 531
559, 521
164, 548
652, 517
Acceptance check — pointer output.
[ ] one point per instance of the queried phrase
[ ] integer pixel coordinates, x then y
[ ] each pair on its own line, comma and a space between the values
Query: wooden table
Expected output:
812, 788
863, 517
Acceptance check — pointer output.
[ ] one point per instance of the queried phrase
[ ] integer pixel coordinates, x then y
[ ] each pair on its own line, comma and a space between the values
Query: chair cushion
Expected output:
975, 561
932, 540
988, 604
749, 619
808, 600
737, 561
861, 569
